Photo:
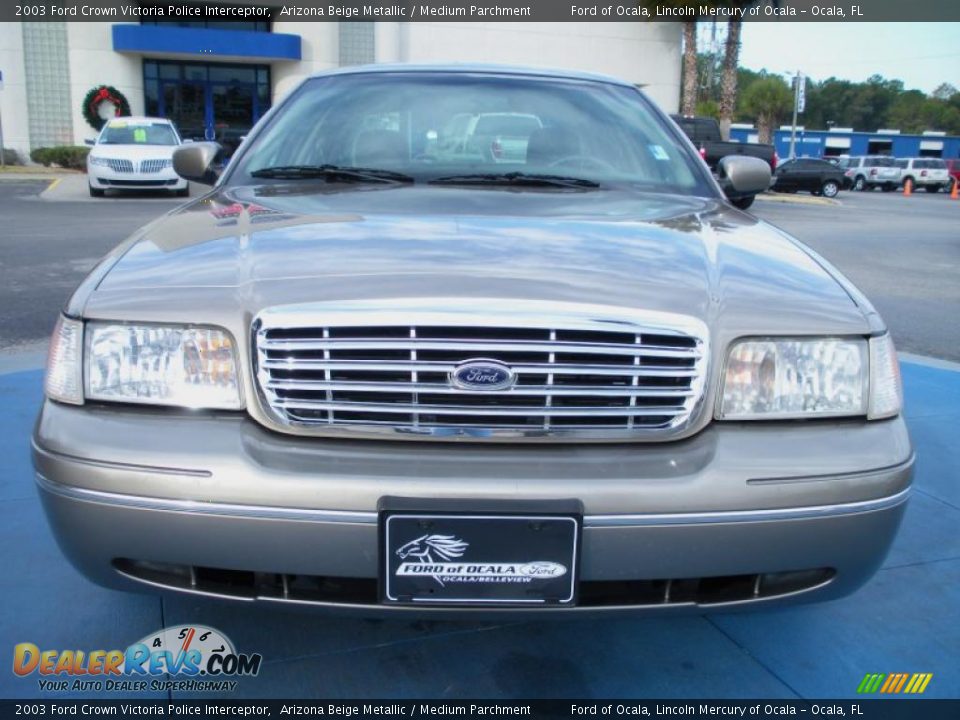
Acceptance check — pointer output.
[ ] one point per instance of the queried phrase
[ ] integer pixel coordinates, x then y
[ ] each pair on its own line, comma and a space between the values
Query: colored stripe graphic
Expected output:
894, 683
890, 683
871, 683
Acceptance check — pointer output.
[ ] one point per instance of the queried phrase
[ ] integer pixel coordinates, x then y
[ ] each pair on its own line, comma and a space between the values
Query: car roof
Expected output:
139, 119
473, 68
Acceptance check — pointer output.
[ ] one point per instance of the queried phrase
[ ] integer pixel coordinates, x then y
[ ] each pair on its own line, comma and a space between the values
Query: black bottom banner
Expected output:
856, 709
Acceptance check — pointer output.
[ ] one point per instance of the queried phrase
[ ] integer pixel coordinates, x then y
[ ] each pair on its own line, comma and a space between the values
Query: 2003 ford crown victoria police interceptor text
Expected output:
384, 366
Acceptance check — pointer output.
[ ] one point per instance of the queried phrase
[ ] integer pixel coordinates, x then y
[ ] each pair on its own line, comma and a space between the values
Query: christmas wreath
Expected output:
99, 95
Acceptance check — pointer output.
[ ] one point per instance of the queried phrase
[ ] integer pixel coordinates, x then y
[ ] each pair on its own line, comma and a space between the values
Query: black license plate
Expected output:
479, 559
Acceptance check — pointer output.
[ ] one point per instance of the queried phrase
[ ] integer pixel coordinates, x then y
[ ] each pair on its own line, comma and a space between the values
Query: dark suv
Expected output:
818, 177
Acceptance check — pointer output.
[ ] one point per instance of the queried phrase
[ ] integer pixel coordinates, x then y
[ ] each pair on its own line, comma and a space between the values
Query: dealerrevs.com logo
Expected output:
182, 658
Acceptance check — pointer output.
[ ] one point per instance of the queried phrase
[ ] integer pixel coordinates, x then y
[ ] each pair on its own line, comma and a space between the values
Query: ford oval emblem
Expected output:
482, 375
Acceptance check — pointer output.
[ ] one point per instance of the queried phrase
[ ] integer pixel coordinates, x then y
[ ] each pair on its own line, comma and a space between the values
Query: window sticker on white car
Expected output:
658, 152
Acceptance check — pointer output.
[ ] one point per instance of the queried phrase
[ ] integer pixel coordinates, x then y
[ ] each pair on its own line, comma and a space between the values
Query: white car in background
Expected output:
866, 172
135, 153
929, 173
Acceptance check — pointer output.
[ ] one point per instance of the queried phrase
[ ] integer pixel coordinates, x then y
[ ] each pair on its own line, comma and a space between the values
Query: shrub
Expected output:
10, 157
66, 156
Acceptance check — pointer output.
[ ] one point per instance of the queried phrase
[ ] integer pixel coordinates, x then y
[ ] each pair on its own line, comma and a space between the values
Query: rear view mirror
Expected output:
740, 175
194, 162
88, 141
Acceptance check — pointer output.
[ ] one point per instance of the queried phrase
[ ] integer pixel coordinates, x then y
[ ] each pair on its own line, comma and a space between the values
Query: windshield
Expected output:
432, 126
120, 132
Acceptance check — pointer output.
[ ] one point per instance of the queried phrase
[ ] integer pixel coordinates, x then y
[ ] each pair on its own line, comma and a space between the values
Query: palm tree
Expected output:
688, 102
731, 63
768, 99
728, 80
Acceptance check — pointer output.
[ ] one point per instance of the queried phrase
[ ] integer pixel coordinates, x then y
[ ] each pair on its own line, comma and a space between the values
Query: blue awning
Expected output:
203, 44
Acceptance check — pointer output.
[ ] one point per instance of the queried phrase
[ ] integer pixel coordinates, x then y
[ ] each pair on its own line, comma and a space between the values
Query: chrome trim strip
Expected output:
115, 465
259, 512
857, 475
798, 513
370, 518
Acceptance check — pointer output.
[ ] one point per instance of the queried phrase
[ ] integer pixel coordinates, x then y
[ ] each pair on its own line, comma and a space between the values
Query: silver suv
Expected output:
866, 172
359, 374
931, 174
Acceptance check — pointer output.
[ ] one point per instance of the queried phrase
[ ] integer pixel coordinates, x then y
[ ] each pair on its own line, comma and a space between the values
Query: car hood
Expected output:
133, 152
225, 257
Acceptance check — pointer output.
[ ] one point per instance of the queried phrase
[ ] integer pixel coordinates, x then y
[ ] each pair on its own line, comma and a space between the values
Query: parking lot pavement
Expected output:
902, 252
74, 188
907, 619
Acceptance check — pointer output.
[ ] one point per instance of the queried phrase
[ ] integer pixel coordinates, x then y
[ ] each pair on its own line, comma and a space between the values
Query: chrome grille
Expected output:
120, 165
154, 165
584, 375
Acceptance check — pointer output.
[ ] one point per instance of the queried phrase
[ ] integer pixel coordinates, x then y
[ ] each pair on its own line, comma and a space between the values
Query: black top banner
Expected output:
484, 10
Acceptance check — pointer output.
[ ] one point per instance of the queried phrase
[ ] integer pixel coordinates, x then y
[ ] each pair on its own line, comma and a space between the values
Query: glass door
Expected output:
234, 111
185, 103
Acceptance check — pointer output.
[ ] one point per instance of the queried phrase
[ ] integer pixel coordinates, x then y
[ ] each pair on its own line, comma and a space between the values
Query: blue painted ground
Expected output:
906, 620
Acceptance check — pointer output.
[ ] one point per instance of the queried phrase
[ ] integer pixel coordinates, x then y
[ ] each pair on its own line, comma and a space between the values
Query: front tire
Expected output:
860, 184
94, 192
183, 192
743, 203
829, 189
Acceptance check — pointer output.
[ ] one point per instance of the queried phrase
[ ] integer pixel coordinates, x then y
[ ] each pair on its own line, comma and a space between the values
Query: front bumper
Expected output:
739, 515
103, 178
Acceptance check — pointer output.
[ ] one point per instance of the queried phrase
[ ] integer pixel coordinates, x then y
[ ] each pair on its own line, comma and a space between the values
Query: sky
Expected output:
923, 55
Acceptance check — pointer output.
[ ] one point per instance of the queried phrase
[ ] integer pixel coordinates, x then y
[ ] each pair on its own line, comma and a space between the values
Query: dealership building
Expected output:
846, 141
215, 78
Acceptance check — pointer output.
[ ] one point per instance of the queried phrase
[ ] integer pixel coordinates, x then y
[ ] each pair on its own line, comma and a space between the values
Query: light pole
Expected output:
3, 155
798, 99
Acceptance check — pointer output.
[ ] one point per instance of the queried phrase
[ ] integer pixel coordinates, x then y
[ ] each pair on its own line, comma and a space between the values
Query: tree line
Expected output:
713, 84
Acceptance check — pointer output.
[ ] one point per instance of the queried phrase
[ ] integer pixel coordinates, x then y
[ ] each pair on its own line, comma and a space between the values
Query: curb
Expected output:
21, 177
929, 361
791, 199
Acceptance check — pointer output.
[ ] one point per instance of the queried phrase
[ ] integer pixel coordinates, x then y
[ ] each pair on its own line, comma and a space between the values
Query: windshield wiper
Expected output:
516, 178
332, 172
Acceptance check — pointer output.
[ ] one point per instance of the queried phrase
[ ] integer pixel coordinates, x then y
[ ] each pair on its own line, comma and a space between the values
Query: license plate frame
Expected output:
483, 556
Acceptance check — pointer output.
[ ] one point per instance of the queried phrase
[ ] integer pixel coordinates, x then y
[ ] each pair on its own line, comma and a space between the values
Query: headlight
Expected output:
64, 379
886, 392
162, 365
94, 160
796, 378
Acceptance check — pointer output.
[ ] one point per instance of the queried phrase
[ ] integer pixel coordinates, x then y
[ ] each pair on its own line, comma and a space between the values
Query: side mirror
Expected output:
194, 162
740, 175
88, 141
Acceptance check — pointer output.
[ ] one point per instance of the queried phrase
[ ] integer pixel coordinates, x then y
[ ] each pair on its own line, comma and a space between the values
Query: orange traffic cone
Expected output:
908, 188
955, 192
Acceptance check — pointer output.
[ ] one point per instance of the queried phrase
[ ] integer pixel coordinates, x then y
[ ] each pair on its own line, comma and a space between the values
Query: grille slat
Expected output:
615, 380
447, 367
413, 387
470, 346
492, 410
